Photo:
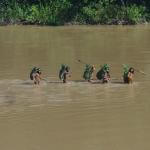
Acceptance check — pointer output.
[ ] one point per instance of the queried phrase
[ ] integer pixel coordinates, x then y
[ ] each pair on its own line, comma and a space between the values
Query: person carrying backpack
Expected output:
35, 75
103, 74
88, 72
64, 73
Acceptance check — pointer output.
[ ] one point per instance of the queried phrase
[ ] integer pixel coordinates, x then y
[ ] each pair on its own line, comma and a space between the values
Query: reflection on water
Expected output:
77, 115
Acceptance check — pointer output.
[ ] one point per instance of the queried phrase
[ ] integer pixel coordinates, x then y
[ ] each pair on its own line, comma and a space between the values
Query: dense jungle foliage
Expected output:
60, 12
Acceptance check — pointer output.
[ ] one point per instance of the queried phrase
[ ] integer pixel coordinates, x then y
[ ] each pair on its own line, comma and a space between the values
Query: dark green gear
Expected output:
87, 75
101, 73
63, 69
125, 72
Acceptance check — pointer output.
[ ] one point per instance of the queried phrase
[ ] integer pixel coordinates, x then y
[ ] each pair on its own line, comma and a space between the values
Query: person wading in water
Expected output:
103, 74
35, 75
88, 72
128, 74
64, 73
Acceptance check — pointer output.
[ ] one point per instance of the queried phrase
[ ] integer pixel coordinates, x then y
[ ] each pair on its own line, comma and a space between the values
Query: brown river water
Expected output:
76, 115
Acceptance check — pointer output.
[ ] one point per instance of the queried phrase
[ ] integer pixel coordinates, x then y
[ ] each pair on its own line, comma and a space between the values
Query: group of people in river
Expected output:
103, 74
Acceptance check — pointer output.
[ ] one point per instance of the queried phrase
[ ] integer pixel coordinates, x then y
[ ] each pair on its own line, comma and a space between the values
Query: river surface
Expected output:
76, 115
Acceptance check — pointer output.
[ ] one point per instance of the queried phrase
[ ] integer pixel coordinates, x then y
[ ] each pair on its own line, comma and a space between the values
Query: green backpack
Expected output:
87, 72
63, 69
100, 74
125, 71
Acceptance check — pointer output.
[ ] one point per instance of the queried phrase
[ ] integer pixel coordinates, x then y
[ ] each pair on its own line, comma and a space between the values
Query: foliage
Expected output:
135, 14
59, 12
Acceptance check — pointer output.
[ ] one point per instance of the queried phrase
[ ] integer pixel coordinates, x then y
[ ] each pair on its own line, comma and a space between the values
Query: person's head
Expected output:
39, 71
92, 68
131, 70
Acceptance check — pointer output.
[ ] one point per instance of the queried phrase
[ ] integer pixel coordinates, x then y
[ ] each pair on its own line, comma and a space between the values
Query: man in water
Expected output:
128, 75
88, 72
64, 73
103, 74
35, 75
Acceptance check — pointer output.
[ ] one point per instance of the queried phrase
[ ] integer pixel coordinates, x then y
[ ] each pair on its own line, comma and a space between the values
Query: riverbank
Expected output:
66, 12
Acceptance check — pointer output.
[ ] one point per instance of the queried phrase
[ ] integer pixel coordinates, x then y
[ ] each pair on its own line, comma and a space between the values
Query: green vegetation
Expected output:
60, 12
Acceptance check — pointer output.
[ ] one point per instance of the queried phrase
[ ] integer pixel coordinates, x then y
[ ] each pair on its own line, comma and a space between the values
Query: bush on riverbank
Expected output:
112, 15
60, 12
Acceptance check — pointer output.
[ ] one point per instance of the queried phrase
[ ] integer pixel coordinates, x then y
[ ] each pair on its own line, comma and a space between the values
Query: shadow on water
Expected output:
74, 81
99, 82
117, 82
80, 81
57, 82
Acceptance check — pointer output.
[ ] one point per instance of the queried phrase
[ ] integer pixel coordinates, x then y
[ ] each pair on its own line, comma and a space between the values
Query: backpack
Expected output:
101, 73
126, 71
63, 69
88, 72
